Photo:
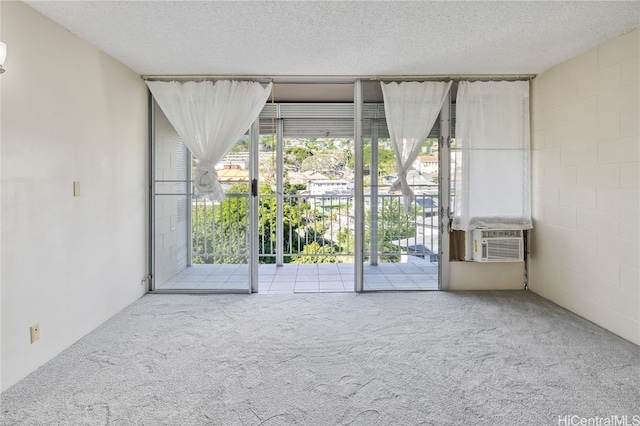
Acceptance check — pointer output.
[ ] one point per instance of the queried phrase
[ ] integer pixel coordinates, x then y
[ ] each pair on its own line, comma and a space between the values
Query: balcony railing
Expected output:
315, 229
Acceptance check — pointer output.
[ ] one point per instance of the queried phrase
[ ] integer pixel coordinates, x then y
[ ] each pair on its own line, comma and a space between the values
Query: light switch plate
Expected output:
34, 330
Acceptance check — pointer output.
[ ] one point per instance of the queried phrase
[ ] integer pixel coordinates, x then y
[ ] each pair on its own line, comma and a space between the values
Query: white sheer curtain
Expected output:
493, 178
411, 109
210, 118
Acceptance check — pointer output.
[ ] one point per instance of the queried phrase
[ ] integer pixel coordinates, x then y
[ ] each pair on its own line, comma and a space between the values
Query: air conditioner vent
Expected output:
497, 245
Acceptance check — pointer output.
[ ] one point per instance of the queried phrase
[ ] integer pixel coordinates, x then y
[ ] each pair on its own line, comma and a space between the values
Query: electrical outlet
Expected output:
35, 332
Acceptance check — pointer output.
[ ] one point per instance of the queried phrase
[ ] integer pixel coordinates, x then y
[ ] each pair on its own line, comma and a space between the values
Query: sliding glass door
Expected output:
401, 251
308, 207
198, 245
306, 201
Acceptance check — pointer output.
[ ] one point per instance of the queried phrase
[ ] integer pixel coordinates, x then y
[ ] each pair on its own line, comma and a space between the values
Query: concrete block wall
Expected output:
584, 251
170, 226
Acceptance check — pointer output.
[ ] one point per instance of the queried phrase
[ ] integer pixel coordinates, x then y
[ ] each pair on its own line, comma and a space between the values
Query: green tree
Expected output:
386, 160
292, 220
299, 152
241, 146
395, 224
294, 188
392, 224
322, 163
220, 232
317, 253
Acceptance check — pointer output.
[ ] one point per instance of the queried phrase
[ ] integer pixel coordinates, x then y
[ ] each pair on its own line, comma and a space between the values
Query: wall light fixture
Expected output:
3, 55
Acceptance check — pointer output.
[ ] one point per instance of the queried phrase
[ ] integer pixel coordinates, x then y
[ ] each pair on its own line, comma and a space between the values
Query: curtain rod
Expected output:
337, 79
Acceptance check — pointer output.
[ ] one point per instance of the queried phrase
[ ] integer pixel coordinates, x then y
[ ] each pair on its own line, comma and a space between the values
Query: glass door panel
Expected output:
305, 238
199, 245
401, 252
305, 221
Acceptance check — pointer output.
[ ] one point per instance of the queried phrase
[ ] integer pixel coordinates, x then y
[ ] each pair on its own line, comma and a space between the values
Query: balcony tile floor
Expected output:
417, 274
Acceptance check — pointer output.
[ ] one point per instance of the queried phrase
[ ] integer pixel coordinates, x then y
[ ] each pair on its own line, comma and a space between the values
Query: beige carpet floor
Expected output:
436, 358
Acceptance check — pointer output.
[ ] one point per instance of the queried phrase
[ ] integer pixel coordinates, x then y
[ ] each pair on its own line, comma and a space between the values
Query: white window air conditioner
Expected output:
497, 245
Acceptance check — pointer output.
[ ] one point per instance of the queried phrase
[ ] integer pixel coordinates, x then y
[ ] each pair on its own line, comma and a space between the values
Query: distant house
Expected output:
426, 164
232, 174
323, 187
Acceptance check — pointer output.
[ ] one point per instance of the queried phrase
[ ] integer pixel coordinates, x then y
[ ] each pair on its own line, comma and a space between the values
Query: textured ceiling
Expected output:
342, 38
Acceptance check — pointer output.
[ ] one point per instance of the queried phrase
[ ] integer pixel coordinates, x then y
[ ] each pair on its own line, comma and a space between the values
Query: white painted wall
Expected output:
585, 141
69, 113
486, 276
